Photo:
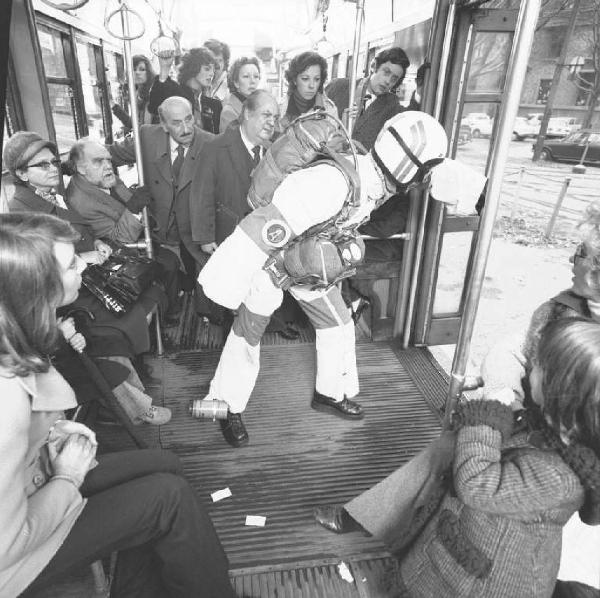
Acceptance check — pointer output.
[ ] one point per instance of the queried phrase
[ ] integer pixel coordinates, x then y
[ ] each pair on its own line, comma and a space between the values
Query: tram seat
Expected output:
379, 280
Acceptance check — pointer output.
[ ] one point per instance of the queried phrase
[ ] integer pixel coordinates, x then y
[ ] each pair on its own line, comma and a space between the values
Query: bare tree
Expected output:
591, 84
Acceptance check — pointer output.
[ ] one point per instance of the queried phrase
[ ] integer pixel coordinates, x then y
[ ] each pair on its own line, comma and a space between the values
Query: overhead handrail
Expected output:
122, 12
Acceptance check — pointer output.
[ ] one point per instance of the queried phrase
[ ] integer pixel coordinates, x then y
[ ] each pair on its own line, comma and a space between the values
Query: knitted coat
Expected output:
498, 532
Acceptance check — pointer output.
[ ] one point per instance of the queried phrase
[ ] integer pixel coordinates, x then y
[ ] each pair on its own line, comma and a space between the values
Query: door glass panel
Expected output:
52, 52
63, 115
452, 271
91, 93
475, 134
489, 62
115, 90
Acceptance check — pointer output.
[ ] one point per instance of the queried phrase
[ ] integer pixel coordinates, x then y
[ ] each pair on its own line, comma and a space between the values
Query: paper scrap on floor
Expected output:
344, 572
220, 494
256, 520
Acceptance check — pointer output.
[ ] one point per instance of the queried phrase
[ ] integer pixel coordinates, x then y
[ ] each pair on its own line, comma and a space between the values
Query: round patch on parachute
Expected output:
276, 233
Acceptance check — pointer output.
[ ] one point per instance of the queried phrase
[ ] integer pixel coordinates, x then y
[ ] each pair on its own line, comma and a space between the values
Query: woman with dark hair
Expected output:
243, 79
306, 76
144, 77
112, 341
62, 509
219, 88
196, 72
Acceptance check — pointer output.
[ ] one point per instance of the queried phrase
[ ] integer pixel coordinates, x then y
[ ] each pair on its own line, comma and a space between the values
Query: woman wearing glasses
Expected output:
35, 167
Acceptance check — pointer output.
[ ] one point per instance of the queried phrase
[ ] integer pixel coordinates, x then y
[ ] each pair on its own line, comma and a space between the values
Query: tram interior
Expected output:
297, 458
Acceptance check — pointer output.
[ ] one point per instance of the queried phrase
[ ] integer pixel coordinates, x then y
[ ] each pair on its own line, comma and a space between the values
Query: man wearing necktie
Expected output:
375, 99
170, 158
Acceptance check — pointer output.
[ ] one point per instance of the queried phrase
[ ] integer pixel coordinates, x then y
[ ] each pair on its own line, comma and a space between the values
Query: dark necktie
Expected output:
366, 98
256, 154
178, 163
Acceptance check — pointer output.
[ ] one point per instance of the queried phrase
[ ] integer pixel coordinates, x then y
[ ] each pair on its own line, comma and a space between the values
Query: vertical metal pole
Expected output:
517, 67
515, 202
561, 197
138, 149
358, 22
437, 111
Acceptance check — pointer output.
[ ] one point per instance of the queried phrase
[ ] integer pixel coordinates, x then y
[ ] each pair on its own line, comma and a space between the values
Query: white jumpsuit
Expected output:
234, 278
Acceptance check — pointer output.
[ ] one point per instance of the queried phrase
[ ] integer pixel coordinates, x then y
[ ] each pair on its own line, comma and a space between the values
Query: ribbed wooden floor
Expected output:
297, 458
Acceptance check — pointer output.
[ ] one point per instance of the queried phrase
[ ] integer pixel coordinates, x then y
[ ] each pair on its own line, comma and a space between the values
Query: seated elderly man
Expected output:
112, 210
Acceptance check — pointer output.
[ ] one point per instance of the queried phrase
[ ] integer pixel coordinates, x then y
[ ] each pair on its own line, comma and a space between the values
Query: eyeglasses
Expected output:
45, 164
582, 253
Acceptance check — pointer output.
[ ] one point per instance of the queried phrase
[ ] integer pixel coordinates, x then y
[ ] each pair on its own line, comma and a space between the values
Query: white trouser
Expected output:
239, 364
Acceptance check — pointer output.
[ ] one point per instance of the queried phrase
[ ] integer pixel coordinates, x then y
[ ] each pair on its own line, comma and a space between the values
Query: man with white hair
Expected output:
170, 157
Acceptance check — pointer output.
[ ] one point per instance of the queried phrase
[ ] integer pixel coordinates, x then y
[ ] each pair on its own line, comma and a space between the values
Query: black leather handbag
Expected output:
120, 280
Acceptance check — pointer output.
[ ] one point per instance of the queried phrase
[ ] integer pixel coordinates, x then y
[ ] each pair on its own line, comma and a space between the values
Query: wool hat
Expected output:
21, 147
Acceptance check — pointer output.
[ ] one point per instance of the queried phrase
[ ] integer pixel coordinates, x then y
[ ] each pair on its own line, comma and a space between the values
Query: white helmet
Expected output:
408, 145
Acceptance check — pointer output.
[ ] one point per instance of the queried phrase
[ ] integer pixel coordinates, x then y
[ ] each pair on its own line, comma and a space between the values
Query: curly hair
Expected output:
31, 289
192, 63
234, 73
144, 89
569, 357
217, 47
300, 63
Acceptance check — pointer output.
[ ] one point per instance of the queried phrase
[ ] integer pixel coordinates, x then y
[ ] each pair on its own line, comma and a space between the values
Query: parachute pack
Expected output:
312, 138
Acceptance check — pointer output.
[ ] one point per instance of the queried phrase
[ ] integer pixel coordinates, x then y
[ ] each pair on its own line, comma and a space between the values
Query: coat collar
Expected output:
49, 391
162, 155
240, 158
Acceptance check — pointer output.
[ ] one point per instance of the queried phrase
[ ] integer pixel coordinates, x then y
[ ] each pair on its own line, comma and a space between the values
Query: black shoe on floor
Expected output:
336, 519
347, 409
234, 430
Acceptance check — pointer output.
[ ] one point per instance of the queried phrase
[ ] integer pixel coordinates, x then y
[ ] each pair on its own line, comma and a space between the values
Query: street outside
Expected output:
525, 269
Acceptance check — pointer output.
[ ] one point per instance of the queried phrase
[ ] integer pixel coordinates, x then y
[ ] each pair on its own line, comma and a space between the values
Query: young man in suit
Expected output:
375, 100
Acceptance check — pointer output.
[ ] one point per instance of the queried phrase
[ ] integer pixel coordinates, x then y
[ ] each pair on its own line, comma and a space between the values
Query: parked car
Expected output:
561, 126
571, 147
525, 127
479, 123
464, 134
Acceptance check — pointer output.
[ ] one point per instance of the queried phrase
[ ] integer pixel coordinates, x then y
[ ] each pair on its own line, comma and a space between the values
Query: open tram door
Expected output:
479, 53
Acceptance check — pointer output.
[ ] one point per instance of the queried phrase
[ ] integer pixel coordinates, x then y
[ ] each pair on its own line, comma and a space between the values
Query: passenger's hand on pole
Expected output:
165, 61
140, 199
209, 247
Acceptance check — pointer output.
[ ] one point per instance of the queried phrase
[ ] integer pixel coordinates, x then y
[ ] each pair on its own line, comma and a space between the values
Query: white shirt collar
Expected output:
249, 145
173, 145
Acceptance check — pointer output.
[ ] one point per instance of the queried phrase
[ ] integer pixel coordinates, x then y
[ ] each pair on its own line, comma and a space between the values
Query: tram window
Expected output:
452, 270
86, 58
475, 133
489, 62
114, 76
63, 114
52, 52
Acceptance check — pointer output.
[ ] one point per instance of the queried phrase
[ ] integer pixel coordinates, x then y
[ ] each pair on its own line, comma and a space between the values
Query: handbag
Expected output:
399, 507
120, 280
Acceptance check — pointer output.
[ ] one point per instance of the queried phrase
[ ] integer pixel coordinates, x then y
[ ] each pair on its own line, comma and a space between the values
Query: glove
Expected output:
140, 199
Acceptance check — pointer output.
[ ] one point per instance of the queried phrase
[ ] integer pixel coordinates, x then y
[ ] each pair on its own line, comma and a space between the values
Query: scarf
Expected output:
297, 105
582, 460
240, 96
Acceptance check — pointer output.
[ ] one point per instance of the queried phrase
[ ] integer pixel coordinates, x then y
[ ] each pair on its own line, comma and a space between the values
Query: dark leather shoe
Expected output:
347, 409
289, 332
234, 430
363, 303
336, 519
